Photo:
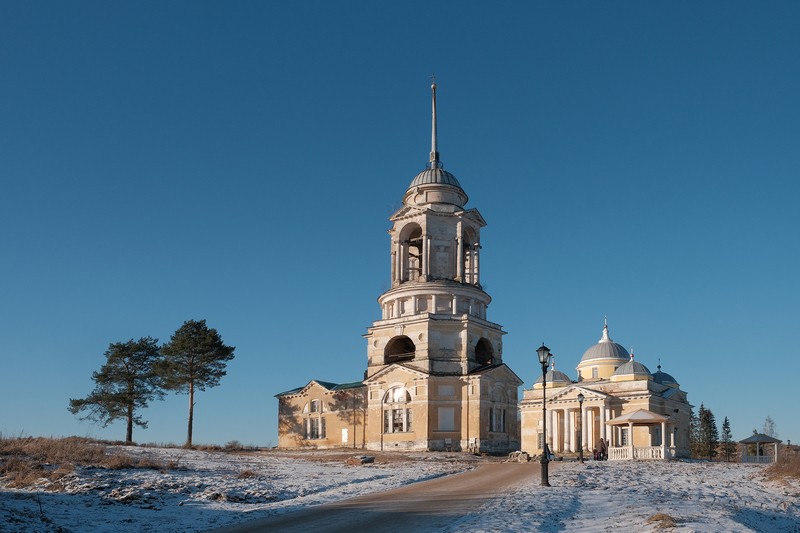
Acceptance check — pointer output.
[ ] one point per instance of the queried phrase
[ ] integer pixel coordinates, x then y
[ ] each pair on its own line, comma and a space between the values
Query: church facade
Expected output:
435, 377
638, 414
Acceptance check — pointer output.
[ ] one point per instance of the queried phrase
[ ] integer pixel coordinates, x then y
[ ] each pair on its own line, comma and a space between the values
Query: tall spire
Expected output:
434, 137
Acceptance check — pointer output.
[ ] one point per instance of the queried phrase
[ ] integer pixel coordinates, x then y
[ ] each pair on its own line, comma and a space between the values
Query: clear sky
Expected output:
238, 161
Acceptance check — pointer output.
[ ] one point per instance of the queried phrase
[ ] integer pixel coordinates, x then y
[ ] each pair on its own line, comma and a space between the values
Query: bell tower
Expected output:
433, 318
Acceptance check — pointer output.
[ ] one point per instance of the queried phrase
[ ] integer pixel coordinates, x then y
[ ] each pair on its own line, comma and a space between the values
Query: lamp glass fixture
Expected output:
544, 354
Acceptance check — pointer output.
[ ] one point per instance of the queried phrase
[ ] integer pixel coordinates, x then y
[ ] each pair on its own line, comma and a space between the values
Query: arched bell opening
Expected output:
411, 252
469, 256
484, 353
399, 349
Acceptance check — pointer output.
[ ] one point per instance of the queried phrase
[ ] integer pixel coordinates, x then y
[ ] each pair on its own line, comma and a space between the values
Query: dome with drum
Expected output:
601, 360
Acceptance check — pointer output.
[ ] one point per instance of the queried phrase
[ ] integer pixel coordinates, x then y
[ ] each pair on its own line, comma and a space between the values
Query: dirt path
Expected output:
429, 506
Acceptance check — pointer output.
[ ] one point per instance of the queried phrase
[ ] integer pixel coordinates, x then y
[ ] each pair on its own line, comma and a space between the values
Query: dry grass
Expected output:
787, 466
246, 474
665, 521
25, 461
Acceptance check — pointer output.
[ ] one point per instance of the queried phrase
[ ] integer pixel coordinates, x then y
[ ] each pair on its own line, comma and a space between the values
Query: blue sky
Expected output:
165, 161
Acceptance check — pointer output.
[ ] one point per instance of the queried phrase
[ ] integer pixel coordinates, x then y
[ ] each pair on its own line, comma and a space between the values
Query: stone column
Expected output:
403, 261
663, 440
630, 439
434, 301
423, 257
459, 253
603, 432
477, 270
571, 426
584, 428
455, 304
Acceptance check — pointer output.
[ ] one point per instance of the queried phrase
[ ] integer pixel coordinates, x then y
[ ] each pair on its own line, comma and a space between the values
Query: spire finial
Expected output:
605, 337
659, 364
434, 163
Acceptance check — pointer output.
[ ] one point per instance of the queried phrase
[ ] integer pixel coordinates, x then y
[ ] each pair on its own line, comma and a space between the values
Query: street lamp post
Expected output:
580, 426
544, 359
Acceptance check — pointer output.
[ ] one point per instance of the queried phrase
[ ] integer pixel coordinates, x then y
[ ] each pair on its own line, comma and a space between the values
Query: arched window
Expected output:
400, 348
484, 354
396, 411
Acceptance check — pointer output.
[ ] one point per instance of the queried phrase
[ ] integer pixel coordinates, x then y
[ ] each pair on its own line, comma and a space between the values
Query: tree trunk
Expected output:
129, 431
191, 415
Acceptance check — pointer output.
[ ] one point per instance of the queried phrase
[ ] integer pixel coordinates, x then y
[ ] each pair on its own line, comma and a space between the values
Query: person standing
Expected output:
603, 450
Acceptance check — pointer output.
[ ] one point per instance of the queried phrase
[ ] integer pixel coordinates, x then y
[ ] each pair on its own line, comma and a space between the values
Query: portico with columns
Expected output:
638, 414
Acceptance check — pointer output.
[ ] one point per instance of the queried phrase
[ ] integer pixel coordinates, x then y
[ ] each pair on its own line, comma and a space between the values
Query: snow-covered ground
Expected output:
622, 496
211, 489
206, 489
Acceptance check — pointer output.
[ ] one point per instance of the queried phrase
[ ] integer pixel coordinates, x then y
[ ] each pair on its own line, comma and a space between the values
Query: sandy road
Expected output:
428, 506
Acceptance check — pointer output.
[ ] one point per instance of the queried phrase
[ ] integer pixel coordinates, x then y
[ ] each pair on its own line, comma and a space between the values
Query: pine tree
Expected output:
728, 446
695, 437
709, 435
195, 358
126, 383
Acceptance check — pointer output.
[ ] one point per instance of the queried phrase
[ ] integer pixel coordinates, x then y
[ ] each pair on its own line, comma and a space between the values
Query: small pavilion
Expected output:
626, 444
758, 440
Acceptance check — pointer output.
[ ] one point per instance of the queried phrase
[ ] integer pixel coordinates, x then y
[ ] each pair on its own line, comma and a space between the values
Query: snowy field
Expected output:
622, 496
211, 489
206, 490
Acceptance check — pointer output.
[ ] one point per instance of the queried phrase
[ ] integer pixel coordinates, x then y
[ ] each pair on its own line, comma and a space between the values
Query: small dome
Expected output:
664, 379
555, 377
434, 176
634, 368
606, 349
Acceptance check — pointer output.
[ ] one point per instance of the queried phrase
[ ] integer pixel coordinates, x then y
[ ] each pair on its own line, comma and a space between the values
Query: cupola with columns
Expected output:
433, 317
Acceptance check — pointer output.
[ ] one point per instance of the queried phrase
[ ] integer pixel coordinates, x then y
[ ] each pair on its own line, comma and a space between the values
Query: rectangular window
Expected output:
595, 373
397, 420
624, 436
315, 406
315, 428
447, 419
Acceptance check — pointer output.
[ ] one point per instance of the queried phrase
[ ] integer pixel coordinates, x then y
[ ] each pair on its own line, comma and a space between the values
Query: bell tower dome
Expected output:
433, 318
